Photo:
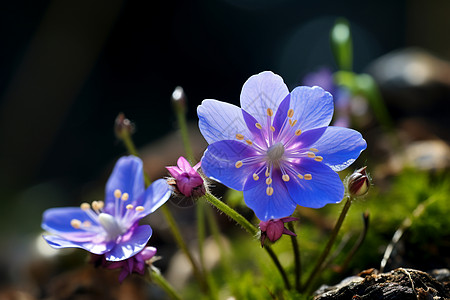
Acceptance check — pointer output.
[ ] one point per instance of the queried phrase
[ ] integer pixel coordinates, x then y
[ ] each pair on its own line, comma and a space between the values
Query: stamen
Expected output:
298, 132
239, 136
292, 123
96, 206
308, 176
85, 206
117, 193
101, 204
125, 196
255, 177
258, 126
272, 128
318, 158
269, 112
300, 176
267, 172
269, 191
239, 164
87, 224
75, 223
268, 181
313, 150
249, 142
129, 206
311, 154
285, 177
290, 113
140, 208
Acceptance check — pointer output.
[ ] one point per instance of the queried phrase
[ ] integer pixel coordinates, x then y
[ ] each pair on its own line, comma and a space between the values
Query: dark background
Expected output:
67, 68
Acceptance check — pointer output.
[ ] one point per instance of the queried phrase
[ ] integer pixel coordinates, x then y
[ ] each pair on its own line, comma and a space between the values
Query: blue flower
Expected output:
278, 148
110, 228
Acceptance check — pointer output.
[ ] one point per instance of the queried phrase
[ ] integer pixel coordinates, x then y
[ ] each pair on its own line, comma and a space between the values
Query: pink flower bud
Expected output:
358, 183
273, 229
187, 180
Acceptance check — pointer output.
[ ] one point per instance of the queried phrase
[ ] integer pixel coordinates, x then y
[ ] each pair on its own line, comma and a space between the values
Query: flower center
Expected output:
110, 225
275, 152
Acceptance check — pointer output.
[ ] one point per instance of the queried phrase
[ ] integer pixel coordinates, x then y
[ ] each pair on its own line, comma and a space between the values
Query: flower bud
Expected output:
358, 183
122, 126
273, 229
179, 99
186, 179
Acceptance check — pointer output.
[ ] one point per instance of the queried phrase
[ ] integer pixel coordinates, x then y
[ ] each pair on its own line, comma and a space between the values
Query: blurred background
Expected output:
67, 68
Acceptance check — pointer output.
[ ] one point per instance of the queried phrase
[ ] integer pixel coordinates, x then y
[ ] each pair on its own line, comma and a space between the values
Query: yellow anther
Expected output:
87, 224
249, 142
140, 208
238, 164
268, 180
298, 132
258, 126
269, 112
318, 158
125, 196
292, 123
311, 154
285, 177
239, 136
269, 191
129, 206
272, 128
101, 204
313, 150
75, 223
85, 206
267, 172
300, 176
255, 177
117, 193
95, 205
290, 113
308, 176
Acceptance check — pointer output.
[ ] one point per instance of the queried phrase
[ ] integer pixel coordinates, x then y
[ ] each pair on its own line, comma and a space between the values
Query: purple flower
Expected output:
274, 229
110, 228
187, 180
278, 148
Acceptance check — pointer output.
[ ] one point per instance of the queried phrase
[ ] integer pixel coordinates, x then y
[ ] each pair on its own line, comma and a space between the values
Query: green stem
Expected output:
318, 267
162, 282
131, 148
238, 218
297, 260
201, 232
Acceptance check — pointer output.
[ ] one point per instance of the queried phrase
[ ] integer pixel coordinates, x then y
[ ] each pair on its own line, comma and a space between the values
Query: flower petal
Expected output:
340, 147
220, 121
128, 177
156, 195
130, 245
174, 171
58, 221
260, 92
219, 163
313, 107
266, 207
183, 164
324, 187
59, 242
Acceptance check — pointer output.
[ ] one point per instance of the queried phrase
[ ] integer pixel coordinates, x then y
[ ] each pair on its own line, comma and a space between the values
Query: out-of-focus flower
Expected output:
110, 228
135, 264
278, 148
123, 126
273, 229
358, 183
187, 180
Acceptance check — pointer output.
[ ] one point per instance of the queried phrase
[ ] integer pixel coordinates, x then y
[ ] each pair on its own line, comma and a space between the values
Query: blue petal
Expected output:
324, 187
258, 135
131, 245
220, 121
279, 205
156, 195
219, 163
260, 92
313, 107
340, 147
91, 246
304, 140
128, 177
281, 116
57, 220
